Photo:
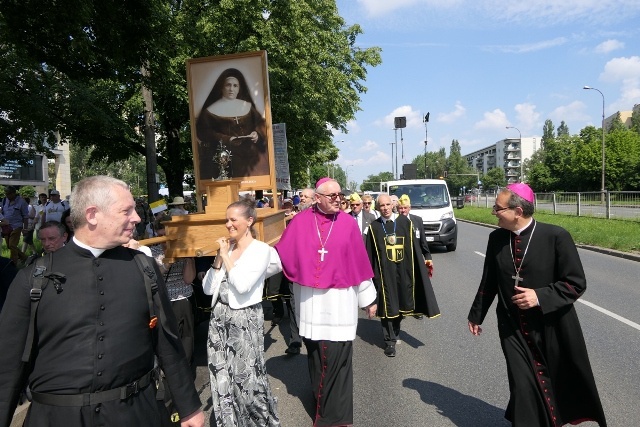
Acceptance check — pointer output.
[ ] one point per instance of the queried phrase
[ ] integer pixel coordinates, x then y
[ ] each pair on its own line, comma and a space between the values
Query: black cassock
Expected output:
550, 377
400, 276
93, 335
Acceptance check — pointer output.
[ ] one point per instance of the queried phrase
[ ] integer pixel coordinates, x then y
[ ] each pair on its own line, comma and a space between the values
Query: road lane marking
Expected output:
609, 313
597, 307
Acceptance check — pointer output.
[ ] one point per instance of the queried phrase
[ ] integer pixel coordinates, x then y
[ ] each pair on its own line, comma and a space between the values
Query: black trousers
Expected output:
331, 374
390, 329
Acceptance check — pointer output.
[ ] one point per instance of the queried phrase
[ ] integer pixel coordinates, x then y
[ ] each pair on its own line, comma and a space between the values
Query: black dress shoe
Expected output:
390, 351
293, 349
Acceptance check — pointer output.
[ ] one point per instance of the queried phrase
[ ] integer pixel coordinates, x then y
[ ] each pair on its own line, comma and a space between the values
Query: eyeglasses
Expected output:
366, 203
332, 196
497, 208
356, 204
344, 203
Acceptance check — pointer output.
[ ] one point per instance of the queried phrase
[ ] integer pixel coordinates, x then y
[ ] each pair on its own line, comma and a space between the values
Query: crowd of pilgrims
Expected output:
231, 289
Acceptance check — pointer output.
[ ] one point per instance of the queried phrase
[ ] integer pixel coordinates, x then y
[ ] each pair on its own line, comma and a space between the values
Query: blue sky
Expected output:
479, 66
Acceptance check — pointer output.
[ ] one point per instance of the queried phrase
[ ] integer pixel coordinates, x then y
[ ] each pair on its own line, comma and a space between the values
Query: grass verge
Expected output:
605, 233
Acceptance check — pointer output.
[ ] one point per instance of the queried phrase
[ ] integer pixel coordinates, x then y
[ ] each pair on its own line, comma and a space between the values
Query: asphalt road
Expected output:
443, 376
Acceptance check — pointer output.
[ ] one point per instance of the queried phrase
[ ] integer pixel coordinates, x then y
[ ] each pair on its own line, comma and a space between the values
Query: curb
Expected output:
606, 251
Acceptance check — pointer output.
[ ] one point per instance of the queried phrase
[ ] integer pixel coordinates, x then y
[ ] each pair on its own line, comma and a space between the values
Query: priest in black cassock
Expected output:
400, 273
95, 340
535, 271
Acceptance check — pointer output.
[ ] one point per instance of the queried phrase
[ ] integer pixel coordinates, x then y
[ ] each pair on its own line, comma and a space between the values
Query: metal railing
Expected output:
622, 205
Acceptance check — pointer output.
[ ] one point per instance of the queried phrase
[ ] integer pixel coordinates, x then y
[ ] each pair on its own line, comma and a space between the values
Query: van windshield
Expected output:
423, 196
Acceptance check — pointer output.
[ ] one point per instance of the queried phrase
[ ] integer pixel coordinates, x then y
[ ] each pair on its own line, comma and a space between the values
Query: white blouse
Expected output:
246, 279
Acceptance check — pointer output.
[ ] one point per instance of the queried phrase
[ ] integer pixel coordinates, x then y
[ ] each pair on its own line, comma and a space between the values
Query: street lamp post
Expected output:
331, 168
347, 176
426, 138
602, 188
520, 139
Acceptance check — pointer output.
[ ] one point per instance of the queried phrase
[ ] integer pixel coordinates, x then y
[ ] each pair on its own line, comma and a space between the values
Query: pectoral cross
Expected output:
516, 279
236, 119
321, 251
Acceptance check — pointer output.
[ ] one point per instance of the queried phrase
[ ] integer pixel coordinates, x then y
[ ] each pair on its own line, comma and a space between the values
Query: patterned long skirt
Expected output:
239, 384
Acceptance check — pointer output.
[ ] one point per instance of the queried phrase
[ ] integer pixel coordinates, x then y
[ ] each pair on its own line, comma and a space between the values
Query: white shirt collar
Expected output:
517, 232
95, 251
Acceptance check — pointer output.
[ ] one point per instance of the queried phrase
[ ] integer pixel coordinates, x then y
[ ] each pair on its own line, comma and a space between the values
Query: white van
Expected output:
430, 200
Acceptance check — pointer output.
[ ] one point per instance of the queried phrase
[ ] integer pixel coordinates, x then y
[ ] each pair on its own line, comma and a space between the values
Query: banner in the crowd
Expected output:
283, 178
158, 206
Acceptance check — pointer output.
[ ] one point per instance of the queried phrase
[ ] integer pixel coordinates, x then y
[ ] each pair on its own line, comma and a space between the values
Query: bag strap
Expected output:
38, 283
151, 286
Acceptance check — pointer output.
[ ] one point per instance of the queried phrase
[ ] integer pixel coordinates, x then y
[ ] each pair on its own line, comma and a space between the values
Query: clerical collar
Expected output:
323, 212
95, 251
517, 232
391, 218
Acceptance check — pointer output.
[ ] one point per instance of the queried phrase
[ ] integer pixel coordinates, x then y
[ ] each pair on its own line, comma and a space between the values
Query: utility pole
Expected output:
149, 138
426, 138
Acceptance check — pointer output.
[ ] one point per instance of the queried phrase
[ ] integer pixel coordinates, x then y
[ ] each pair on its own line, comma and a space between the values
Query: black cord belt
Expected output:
87, 399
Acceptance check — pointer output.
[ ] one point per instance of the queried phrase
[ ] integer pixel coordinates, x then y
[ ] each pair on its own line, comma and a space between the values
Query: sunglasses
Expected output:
497, 208
332, 196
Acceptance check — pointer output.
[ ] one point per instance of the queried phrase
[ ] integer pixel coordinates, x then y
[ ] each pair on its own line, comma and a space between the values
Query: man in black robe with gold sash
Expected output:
400, 274
535, 271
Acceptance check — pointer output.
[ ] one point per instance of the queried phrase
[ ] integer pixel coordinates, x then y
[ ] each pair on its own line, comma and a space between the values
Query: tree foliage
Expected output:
75, 71
372, 183
493, 178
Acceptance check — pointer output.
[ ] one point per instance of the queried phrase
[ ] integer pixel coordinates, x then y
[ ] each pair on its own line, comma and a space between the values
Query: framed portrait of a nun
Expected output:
230, 115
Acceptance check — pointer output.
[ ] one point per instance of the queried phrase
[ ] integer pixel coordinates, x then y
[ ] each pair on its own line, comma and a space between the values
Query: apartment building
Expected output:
508, 154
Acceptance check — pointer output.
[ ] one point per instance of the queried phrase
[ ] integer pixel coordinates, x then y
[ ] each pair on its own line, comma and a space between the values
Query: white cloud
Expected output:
527, 116
368, 146
414, 118
352, 126
609, 46
551, 12
626, 72
378, 8
458, 112
528, 47
495, 119
542, 13
572, 112
620, 69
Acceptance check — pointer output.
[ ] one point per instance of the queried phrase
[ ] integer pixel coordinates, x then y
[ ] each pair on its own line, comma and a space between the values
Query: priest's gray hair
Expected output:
92, 191
516, 201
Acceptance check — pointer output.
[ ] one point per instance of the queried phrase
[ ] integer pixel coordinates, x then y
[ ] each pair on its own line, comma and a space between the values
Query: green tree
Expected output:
623, 158
616, 124
493, 178
635, 119
69, 65
548, 133
563, 129
459, 173
372, 183
131, 170
436, 164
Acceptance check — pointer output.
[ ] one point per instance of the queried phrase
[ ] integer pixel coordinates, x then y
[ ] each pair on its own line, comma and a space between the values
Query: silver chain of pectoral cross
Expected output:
322, 250
517, 278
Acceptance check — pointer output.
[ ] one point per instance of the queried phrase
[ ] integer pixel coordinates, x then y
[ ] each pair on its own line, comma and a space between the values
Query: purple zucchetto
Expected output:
522, 190
322, 181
